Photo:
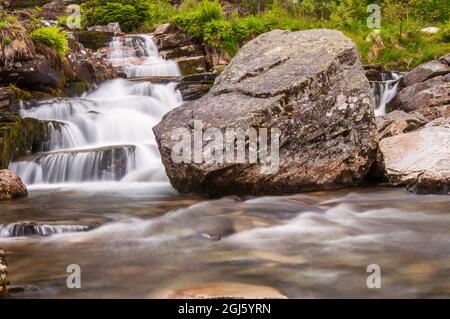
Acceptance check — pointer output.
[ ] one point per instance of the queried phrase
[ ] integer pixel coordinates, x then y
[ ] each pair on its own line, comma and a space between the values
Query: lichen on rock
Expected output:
308, 84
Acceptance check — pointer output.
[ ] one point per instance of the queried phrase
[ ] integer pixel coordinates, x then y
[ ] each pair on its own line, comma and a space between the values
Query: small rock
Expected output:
430, 30
11, 186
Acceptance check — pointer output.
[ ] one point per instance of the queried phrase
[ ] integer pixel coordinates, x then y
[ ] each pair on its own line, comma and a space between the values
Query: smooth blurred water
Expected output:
137, 56
146, 242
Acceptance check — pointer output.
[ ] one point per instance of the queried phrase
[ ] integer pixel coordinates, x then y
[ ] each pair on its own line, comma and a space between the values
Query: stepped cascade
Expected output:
138, 56
106, 135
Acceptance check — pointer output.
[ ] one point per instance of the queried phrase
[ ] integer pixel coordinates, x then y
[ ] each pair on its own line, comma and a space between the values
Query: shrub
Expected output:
131, 14
52, 37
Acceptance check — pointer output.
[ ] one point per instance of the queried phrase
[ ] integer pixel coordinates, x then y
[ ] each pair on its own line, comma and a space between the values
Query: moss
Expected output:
21, 137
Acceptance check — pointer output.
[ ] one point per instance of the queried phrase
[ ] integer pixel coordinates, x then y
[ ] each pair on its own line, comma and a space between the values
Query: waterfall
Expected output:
105, 135
35, 229
137, 56
384, 90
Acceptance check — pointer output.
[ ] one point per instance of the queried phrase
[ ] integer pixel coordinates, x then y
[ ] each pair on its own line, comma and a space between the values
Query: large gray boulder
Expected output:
419, 160
310, 85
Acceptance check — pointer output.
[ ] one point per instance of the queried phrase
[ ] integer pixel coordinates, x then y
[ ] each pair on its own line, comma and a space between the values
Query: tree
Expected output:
397, 11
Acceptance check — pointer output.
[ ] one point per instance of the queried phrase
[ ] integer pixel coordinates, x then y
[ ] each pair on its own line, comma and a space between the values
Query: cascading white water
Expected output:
106, 135
384, 91
138, 56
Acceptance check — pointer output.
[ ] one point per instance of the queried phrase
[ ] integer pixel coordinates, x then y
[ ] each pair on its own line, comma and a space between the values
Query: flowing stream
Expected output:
99, 198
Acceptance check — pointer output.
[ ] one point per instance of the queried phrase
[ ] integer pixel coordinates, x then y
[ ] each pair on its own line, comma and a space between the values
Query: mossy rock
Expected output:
21, 137
94, 40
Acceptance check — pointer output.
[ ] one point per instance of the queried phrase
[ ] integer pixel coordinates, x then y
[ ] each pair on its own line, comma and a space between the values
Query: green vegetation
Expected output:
131, 14
403, 45
52, 37
6, 20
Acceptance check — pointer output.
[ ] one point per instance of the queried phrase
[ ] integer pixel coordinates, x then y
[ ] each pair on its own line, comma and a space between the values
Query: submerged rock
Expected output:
11, 186
311, 86
227, 290
419, 160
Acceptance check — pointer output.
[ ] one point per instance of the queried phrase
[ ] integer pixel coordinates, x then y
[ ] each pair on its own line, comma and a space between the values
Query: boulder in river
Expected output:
308, 86
419, 160
11, 186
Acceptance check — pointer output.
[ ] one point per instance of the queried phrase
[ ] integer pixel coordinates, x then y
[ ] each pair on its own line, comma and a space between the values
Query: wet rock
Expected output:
425, 71
8, 100
94, 40
192, 65
193, 87
179, 52
399, 122
11, 186
3, 276
21, 137
419, 160
308, 84
227, 290
87, 68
